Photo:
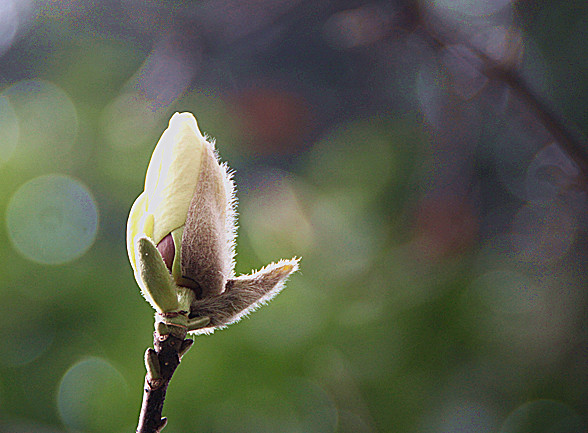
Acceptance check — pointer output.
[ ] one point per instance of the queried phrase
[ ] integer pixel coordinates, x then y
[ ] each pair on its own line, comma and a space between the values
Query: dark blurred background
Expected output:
439, 213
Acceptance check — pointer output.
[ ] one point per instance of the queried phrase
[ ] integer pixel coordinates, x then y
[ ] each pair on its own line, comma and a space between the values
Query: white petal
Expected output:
173, 173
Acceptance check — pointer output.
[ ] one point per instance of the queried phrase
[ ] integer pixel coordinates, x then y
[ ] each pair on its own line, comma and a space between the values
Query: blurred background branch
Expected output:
503, 66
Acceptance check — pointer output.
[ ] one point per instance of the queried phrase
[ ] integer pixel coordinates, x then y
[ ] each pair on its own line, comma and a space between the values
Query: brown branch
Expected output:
170, 344
567, 135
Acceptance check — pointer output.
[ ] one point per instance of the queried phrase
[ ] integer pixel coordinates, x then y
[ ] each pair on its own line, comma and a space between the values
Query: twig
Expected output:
170, 345
566, 134
562, 130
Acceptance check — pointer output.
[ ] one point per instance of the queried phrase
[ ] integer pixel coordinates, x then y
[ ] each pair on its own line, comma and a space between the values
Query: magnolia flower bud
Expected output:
181, 233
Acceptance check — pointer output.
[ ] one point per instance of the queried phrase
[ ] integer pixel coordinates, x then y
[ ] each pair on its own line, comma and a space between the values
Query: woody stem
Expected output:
161, 364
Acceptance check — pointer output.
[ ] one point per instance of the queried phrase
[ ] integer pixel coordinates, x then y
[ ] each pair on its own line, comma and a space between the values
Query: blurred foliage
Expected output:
442, 230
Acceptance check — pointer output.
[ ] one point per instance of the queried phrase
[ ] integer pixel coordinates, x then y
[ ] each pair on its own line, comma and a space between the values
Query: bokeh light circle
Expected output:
543, 416
472, 7
543, 234
8, 23
459, 415
510, 293
550, 174
23, 426
129, 121
9, 128
52, 219
25, 343
47, 117
92, 397
429, 93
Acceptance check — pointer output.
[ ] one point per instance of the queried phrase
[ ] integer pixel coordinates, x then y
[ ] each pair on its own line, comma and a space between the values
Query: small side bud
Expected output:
162, 328
162, 424
186, 345
152, 366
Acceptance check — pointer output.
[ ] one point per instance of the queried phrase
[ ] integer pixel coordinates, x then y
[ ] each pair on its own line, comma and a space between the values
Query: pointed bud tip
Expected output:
143, 245
286, 268
186, 118
291, 265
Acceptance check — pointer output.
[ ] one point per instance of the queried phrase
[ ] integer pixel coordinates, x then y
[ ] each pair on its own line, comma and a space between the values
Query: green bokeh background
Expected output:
442, 283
